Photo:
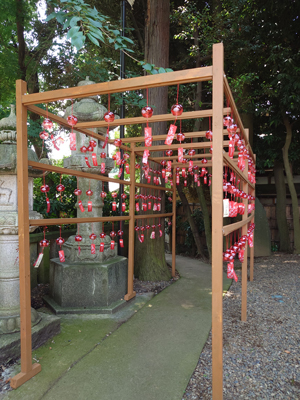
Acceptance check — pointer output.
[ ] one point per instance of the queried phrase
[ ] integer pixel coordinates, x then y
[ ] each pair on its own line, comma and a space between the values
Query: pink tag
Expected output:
205, 180
180, 154
195, 177
38, 260
146, 173
61, 255
80, 206
154, 180
141, 238
101, 247
154, 207
54, 142
118, 158
93, 248
145, 156
114, 206
127, 168
191, 164
123, 207
169, 166
148, 137
87, 162
137, 207
120, 172
48, 205
144, 206
102, 170
177, 179
171, 183
163, 173
94, 159
152, 236
166, 179
106, 138
158, 207
149, 179
72, 141
79, 250
198, 183
149, 205
183, 172
160, 233
89, 205
171, 134
112, 245
231, 149
121, 243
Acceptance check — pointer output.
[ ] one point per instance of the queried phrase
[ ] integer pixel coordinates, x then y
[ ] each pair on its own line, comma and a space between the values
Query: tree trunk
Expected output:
150, 263
290, 181
281, 207
206, 218
21, 39
193, 226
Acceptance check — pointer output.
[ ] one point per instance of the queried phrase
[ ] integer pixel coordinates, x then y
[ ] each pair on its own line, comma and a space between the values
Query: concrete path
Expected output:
150, 357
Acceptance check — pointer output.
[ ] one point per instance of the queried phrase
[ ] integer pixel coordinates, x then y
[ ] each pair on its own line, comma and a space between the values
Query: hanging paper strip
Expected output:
180, 154
148, 136
94, 159
72, 140
145, 156
171, 134
87, 162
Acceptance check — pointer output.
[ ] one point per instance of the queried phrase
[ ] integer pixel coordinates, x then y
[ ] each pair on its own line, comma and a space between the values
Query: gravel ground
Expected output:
261, 356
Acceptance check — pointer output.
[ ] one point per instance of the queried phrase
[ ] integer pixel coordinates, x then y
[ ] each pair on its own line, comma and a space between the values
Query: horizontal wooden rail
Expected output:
148, 186
153, 216
195, 163
205, 155
81, 174
195, 145
69, 221
119, 86
154, 118
237, 225
232, 164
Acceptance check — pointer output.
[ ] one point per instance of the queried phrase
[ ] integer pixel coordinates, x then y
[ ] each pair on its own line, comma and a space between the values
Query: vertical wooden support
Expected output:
252, 248
244, 232
174, 226
217, 222
130, 292
28, 370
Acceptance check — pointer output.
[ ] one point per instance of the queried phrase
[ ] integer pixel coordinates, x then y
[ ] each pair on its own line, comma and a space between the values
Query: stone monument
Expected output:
88, 282
9, 240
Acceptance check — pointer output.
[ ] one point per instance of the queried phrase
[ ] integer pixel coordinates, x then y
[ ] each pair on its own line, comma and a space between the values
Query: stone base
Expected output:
58, 310
48, 327
88, 285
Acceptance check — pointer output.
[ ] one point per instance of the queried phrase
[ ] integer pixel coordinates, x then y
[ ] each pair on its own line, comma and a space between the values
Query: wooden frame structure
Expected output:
215, 73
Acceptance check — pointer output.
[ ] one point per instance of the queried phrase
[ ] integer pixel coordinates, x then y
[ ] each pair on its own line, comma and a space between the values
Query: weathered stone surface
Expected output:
88, 284
48, 327
262, 235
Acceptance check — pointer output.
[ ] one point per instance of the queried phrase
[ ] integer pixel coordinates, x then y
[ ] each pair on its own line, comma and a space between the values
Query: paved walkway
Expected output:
150, 357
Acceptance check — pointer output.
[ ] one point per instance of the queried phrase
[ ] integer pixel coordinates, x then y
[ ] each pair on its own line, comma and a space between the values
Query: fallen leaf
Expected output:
287, 352
79, 330
150, 305
50, 348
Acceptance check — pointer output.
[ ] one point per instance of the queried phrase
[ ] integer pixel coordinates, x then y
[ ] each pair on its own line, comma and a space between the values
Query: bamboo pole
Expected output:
131, 234
217, 218
28, 370
244, 232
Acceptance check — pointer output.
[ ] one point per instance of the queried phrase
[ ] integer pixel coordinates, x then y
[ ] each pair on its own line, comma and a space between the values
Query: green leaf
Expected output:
97, 33
74, 21
92, 39
161, 70
169, 70
51, 16
147, 67
95, 23
127, 39
73, 31
116, 32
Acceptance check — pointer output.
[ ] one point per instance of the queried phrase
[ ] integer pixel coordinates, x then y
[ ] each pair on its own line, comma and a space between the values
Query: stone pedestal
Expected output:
87, 287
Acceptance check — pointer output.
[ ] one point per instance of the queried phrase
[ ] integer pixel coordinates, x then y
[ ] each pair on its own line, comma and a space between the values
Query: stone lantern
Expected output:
87, 281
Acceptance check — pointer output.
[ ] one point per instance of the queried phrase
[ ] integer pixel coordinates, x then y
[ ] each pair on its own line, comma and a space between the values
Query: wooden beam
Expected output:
237, 225
27, 369
232, 164
154, 118
73, 172
118, 86
153, 216
148, 186
70, 221
217, 218
173, 245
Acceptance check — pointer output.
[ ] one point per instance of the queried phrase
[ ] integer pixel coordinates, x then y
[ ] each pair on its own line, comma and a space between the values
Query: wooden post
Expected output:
217, 222
244, 232
131, 236
28, 370
174, 225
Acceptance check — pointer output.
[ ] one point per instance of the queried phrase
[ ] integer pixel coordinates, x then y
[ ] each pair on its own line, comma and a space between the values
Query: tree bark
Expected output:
21, 39
206, 218
284, 240
290, 181
193, 226
150, 263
